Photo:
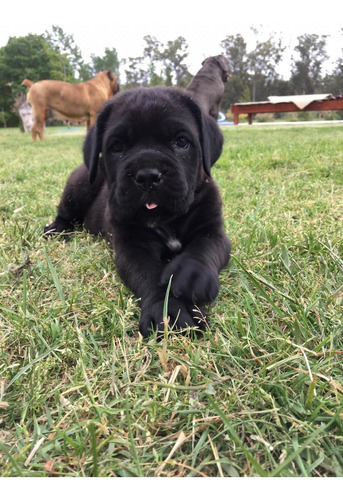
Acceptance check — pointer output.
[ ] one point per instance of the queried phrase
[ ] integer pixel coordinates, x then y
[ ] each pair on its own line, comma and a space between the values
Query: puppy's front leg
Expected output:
196, 270
140, 265
76, 201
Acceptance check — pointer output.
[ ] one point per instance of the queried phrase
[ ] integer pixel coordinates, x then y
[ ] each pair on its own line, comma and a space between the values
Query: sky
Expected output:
122, 24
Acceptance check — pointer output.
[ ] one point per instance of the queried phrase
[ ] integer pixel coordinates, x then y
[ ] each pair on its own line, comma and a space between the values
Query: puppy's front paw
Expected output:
59, 226
180, 316
192, 281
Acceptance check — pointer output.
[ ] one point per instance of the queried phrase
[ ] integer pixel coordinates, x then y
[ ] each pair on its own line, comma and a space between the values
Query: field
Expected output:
260, 393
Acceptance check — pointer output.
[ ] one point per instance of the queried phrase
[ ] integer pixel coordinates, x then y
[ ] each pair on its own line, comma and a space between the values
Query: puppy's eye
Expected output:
116, 146
182, 142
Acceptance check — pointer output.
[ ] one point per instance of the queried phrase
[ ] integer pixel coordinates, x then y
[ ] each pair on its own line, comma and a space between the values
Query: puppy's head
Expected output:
157, 147
221, 62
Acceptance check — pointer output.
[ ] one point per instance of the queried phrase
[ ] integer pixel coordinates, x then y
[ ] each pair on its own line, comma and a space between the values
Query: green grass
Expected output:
259, 394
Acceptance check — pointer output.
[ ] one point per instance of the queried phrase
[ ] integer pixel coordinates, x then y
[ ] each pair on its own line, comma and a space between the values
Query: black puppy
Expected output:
146, 186
207, 86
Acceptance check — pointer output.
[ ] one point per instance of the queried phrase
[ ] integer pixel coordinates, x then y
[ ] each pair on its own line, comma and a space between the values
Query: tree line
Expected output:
255, 71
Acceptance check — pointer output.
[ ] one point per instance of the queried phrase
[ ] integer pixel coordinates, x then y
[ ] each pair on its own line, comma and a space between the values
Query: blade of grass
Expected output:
258, 279
132, 441
10, 459
92, 432
299, 450
30, 364
234, 436
55, 277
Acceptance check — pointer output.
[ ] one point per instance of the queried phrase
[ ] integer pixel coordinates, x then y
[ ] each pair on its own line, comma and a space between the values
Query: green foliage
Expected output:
307, 70
263, 64
26, 57
159, 65
260, 393
70, 53
253, 72
235, 91
334, 81
109, 61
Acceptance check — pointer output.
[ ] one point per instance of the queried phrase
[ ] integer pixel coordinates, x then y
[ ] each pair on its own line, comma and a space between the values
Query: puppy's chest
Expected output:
170, 239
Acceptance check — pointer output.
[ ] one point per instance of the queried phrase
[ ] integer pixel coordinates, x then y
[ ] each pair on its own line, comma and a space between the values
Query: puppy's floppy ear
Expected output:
211, 137
225, 67
224, 64
212, 143
91, 153
92, 146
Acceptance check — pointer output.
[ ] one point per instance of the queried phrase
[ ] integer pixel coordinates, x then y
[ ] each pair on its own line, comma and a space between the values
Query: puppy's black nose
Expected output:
148, 178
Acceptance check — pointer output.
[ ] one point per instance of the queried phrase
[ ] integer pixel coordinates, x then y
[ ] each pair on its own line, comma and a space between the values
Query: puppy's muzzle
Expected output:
148, 178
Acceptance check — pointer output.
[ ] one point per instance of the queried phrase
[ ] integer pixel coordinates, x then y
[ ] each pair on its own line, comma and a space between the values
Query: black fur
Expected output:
207, 86
146, 186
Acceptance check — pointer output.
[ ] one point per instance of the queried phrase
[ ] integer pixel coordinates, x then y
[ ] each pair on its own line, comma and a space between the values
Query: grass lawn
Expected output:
259, 394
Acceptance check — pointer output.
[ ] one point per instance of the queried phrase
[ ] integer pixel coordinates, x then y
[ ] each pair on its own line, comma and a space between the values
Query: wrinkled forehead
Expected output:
148, 110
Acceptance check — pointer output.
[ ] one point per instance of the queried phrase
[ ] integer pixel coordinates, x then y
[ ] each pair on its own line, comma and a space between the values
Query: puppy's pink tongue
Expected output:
150, 206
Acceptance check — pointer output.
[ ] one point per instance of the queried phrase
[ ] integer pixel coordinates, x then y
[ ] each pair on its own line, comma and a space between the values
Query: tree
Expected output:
262, 63
236, 51
254, 72
109, 61
86, 72
173, 56
152, 59
135, 72
70, 52
333, 82
25, 57
75, 69
306, 75
339, 72
237, 88
159, 65
337, 85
